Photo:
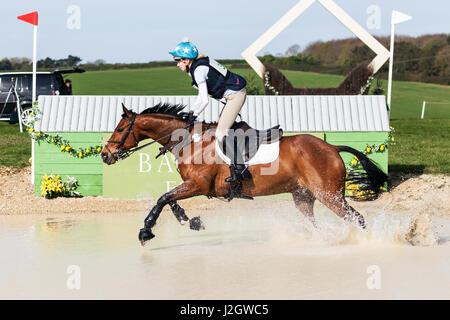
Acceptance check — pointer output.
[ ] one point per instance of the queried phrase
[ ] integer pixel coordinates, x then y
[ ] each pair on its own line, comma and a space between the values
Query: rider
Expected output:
210, 77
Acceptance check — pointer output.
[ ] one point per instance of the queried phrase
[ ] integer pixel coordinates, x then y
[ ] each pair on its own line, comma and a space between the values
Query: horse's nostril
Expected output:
103, 155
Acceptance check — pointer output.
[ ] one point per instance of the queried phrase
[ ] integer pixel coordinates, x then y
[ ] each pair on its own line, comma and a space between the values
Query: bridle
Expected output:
121, 153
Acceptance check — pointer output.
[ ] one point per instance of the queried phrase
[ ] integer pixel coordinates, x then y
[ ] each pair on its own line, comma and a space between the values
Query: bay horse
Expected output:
307, 167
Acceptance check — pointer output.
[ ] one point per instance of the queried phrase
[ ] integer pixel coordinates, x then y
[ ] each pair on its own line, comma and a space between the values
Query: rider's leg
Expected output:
227, 118
230, 113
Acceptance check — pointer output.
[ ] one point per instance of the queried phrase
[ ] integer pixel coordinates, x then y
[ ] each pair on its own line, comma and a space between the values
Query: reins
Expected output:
123, 154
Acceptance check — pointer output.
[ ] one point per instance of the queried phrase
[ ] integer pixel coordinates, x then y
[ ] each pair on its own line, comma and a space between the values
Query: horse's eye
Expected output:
120, 130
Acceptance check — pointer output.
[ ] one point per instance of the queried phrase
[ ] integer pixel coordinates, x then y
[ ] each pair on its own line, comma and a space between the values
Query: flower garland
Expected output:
367, 85
375, 148
267, 83
52, 187
57, 140
360, 191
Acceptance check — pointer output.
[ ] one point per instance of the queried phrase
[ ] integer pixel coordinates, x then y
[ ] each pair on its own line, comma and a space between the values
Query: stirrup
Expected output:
236, 191
238, 172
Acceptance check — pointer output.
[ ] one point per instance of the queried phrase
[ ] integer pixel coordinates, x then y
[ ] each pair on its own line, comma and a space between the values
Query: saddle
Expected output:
244, 141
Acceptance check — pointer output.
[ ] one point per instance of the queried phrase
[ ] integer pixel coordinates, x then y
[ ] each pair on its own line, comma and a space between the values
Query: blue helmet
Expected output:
185, 50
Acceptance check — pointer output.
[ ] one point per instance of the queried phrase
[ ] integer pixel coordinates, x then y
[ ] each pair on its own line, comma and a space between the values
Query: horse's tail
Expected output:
371, 182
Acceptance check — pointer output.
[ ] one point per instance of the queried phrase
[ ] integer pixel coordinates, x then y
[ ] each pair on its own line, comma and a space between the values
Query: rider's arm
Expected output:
202, 100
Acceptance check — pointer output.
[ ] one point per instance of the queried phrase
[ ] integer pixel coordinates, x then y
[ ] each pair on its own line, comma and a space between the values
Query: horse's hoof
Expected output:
145, 235
196, 224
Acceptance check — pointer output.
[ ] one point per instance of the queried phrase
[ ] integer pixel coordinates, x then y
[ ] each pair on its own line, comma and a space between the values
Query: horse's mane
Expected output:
167, 108
175, 110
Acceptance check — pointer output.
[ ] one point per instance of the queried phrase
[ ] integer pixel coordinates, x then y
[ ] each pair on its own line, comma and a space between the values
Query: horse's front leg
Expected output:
186, 190
194, 223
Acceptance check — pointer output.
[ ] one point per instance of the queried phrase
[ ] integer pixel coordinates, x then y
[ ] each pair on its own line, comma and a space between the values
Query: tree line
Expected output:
25, 64
424, 59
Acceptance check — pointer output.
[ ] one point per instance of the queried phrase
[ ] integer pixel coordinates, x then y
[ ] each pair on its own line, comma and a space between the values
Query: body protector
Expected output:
219, 78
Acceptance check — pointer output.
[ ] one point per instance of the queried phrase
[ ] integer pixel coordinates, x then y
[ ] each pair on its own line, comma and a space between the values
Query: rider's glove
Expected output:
190, 118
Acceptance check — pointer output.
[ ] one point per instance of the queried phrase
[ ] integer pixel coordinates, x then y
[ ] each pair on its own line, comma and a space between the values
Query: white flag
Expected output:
398, 17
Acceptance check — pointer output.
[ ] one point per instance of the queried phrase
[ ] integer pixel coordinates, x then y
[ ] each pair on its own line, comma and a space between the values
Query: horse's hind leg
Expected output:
340, 207
304, 202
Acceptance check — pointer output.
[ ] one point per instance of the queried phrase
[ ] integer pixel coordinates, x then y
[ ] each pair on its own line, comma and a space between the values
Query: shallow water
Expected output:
260, 254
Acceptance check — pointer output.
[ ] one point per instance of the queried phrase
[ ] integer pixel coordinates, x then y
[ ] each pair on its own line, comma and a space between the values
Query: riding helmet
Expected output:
185, 50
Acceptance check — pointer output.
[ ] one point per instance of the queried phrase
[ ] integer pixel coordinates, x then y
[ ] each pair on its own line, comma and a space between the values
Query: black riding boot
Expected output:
238, 170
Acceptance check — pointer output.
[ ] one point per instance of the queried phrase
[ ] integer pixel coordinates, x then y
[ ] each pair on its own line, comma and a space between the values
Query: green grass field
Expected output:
15, 147
407, 97
421, 145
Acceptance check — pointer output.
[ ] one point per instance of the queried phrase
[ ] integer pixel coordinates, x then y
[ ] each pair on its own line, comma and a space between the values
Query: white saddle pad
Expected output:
266, 153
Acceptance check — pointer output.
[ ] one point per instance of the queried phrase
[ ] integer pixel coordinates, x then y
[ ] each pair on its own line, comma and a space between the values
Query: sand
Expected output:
427, 193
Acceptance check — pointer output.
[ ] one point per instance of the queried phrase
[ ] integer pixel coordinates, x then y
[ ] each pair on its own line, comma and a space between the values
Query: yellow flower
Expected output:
368, 149
392, 139
382, 147
354, 162
52, 141
30, 160
99, 149
39, 134
88, 150
80, 155
68, 148
63, 148
45, 177
30, 130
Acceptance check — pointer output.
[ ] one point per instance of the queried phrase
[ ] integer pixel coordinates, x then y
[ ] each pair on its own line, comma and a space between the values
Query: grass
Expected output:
153, 81
407, 97
15, 147
421, 145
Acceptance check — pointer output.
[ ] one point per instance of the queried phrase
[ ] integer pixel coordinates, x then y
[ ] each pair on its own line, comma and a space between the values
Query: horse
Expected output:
307, 167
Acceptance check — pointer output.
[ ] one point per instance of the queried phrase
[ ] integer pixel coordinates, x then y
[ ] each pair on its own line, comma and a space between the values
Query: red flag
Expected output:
30, 18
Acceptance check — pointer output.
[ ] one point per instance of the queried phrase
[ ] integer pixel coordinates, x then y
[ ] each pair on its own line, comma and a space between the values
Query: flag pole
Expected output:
391, 64
34, 61
33, 19
34, 94
396, 17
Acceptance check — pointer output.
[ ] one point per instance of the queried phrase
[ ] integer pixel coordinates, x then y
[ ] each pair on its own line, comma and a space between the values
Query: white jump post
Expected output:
423, 109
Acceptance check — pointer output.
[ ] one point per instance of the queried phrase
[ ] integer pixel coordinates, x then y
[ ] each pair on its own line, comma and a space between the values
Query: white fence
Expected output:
293, 113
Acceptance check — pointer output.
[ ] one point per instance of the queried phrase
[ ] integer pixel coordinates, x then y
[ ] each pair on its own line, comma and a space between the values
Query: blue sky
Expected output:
141, 31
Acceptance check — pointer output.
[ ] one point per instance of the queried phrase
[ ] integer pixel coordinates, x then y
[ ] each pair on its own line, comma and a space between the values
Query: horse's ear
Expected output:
126, 111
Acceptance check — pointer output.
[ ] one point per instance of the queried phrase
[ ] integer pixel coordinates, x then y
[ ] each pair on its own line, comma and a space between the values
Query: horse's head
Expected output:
122, 139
